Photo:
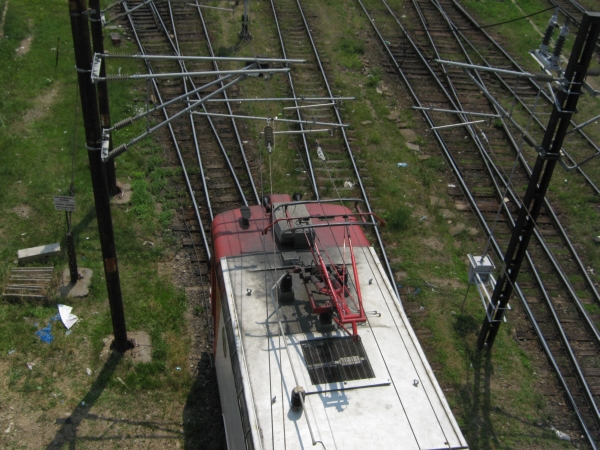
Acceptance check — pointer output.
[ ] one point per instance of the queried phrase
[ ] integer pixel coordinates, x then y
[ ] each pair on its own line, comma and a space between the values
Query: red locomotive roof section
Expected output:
230, 238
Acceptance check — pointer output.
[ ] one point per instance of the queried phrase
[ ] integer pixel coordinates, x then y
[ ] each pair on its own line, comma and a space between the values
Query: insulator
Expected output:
287, 283
543, 77
548, 35
298, 395
116, 152
588, 159
117, 76
266, 202
593, 72
560, 43
123, 123
269, 141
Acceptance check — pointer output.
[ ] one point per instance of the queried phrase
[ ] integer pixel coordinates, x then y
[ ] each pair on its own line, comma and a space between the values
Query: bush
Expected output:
398, 219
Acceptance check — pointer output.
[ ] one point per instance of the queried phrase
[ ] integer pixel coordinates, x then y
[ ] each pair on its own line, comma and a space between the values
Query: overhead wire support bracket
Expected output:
211, 7
123, 147
322, 105
249, 59
322, 130
280, 99
181, 98
96, 79
535, 76
451, 111
274, 119
455, 125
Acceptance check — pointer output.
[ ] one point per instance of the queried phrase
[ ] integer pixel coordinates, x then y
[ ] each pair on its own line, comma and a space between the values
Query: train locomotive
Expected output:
311, 345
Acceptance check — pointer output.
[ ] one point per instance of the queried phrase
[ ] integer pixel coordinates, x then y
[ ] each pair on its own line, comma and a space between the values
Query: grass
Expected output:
496, 400
41, 139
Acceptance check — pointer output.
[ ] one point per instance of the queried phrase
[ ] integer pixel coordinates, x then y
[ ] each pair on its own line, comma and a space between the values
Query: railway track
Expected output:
327, 160
552, 287
204, 145
217, 172
532, 97
482, 160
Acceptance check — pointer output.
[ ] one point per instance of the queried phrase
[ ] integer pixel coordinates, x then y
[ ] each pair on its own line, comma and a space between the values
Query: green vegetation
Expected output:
496, 399
41, 139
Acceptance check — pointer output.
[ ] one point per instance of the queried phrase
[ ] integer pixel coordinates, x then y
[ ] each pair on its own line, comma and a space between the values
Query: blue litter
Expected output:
45, 334
68, 332
417, 290
402, 164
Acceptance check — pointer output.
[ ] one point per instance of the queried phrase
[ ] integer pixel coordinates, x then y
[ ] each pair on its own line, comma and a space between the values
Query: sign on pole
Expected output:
64, 203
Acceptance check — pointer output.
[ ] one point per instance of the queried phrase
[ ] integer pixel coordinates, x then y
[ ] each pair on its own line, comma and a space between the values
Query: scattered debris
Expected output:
561, 435
88, 371
10, 352
115, 38
45, 334
148, 243
122, 382
30, 365
320, 153
348, 184
402, 164
36, 253
67, 318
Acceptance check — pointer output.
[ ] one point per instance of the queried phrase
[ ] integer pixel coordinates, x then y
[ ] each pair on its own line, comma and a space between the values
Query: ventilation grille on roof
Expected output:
333, 360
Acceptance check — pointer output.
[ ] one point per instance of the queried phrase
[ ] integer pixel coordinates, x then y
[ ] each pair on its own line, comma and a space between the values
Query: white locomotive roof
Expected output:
402, 406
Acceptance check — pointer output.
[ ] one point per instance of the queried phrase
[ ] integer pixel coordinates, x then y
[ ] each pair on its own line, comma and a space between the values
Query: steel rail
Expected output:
491, 167
210, 121
576, 368
583, 384
349, 151
516, 65
549, 209
298, 114
173, 137
472, 201
234, 124
212, 58
193, 129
